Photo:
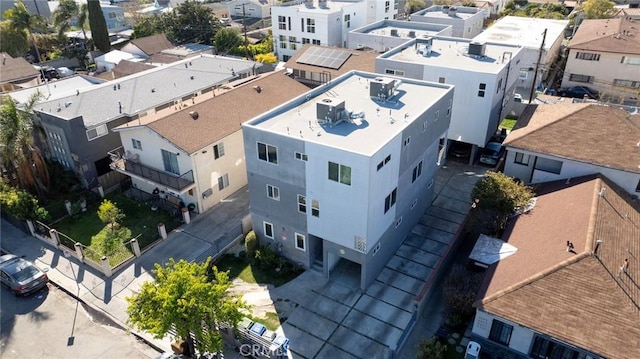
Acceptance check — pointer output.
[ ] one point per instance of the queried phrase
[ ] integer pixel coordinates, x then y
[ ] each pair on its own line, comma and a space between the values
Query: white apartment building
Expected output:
322, 22
484, 76
384, 35
345, 171
466, 22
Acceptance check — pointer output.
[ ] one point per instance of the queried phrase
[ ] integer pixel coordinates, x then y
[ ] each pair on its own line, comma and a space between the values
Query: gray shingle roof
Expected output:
145, 90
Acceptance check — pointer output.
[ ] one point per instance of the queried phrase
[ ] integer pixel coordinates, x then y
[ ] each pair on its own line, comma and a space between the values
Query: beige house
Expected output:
605, 55
193, 152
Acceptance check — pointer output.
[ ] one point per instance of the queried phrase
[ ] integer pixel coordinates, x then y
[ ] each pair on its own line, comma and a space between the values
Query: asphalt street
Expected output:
51, 324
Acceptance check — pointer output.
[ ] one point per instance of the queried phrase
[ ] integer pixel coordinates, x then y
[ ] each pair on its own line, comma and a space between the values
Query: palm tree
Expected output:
83, 16
62, 16
22, 20
21, 161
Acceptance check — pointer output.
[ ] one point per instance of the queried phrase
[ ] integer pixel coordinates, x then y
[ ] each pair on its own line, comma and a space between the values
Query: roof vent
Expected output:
453, 11
445, 9
412, 33
394, 32
194, 115
322, 4
257, 88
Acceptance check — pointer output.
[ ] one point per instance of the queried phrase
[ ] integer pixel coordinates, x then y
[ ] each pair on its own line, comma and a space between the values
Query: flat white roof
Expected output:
437, 12
524, 31
403, 32
381, 121
331, 6
56, 89
449, 52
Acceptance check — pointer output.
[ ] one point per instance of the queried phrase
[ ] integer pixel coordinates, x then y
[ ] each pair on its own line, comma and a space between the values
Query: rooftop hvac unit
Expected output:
477, 48
453, 11
412, 34
329, 111
381, 88
322, 3
394, 32
308, 3
445, 9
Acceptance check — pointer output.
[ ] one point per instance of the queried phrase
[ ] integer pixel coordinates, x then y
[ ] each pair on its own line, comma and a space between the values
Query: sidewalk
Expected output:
107, 295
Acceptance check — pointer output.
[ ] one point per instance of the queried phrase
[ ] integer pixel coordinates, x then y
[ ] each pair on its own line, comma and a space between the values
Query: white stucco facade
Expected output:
466, 22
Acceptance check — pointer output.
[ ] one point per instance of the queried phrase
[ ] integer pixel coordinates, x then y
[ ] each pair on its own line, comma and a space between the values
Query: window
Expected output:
390, 200
394, 72
417, 171
315, 42
315, 208
305, 41
170, 161
300, 242
223, 181
589, 56
311, 26
302, 26
347, 20
283, 45
282, 38
340, 173
521, 159
543, 348
293, 39
386, 6
136, 144
407, 141
293, 46
268, 229
302, 204
481, 89
630, 60
547, 165
441, 80
384, 162
267, 153
301, 156
282, 23
96, 132
500, 332
524, 74
376, 249
273, 192
580, 78
626, 83
218, 150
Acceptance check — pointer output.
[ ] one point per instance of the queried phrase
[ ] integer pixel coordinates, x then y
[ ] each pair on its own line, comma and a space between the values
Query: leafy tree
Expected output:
192, 22
19, 157
82, 17
190, 297
149, 25
269, 58
21, 20
12, 41
545, 11
227, 39
495, 197
110, 215
109, 239
431, 349
20, 204
599, 9
98, 26
412, 6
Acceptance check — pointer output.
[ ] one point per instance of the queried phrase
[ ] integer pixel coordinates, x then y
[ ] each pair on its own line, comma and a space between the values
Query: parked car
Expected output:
491, 153
579, 92
459, 149
473, 351
21, 276
64, 72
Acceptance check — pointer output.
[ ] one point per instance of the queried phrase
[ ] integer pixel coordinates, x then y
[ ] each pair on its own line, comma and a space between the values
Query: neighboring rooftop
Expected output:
585, 297
618, 35
188, 50
145, 90
446, 12
312, 6
357, 60
366, 124
406, 29
524, 31
152, 44
573, 130
15, 69
452, 53
126, 68
115, 56
56, 89
222, 115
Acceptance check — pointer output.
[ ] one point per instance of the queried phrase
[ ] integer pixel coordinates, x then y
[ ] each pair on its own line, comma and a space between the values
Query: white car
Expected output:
473, 351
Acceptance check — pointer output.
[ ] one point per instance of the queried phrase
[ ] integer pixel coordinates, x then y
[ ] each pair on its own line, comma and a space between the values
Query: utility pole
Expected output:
244, 27
535, 74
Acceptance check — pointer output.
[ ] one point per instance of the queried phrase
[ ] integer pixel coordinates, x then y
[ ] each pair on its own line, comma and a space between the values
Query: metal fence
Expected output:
221, 243
151, 200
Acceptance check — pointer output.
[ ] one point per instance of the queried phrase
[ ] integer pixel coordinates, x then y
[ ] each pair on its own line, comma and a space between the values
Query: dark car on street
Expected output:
579, 92
21, 276
491, 153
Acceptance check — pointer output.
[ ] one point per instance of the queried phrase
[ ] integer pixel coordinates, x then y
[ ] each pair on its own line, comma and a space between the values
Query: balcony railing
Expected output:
129, 165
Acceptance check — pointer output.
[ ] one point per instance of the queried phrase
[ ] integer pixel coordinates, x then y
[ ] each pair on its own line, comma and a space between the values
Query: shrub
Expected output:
108, 240
251, 244
267, 259
459, 290
431, 349
20, 204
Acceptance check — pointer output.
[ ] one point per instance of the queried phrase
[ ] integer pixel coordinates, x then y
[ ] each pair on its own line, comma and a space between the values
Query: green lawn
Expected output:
508, 123
139, 218
243, 269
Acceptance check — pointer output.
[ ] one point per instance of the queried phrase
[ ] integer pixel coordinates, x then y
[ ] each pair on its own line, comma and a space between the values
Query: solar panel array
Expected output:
323, 57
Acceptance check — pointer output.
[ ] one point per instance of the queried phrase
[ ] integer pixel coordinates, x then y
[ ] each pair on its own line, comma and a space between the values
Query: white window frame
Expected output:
136, 144
315, 208
273, 192
268, 158
302, 203
523, 160
218, 150
223, 181
301, 156
97, 132
264, 229
298, 236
